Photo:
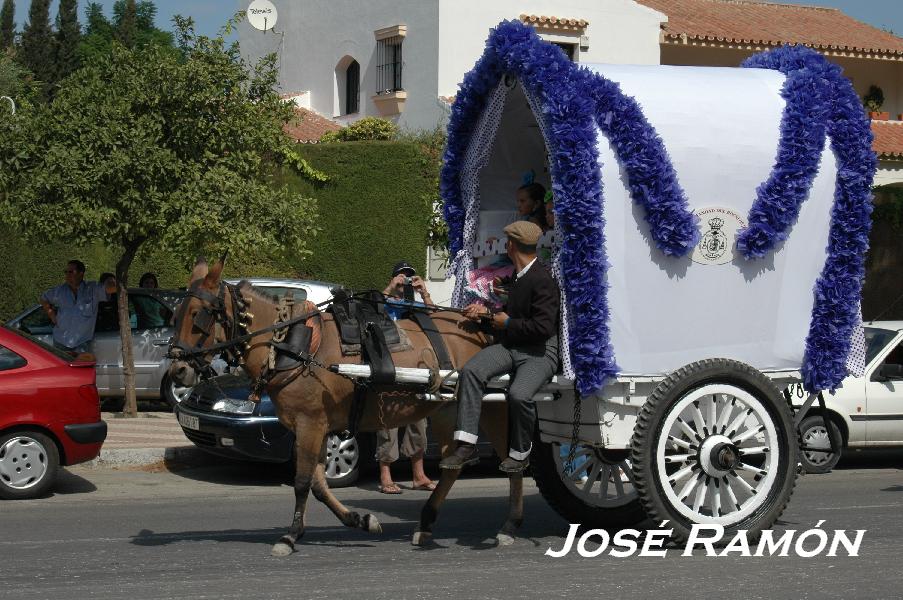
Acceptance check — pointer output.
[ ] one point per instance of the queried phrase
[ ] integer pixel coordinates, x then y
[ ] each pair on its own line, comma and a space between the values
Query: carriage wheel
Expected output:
715, 444
599, 492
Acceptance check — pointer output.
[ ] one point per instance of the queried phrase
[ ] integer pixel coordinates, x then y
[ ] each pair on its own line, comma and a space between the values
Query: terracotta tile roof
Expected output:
308, 126
888, 139
544, 22
769, 24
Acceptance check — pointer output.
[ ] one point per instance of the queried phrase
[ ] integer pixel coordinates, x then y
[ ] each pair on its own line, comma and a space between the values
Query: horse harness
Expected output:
291, 353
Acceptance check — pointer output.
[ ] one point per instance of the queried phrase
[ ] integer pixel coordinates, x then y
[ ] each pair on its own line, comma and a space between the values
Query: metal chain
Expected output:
575, 432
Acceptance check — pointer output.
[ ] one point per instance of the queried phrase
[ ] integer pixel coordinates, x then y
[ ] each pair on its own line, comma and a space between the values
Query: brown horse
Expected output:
318, 401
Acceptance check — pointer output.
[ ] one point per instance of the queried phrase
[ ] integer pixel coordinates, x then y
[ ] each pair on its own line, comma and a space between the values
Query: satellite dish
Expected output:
262, 14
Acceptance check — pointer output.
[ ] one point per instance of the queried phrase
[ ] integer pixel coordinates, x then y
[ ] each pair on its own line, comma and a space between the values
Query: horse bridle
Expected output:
212, 313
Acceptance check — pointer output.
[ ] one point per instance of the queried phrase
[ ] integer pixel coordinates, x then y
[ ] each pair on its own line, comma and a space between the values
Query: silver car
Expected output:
150, 315
315, 291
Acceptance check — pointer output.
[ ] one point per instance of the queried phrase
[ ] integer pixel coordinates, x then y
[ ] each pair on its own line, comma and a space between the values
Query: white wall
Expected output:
318, 34
444, 40
619, 31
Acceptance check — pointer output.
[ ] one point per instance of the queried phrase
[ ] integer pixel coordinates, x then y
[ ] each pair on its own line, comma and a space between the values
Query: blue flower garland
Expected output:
547, 74
651, 178
820, 102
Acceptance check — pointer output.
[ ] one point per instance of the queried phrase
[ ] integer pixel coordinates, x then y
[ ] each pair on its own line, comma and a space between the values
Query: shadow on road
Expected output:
68, 483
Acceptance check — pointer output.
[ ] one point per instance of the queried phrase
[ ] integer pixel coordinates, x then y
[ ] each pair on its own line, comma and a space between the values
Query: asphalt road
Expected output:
206, 532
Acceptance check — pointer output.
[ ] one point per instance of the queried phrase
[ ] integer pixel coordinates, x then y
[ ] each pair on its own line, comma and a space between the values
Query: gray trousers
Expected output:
387, 442
531, 368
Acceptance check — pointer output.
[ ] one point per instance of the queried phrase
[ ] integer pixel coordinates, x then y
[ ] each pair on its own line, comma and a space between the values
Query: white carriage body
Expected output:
721, 129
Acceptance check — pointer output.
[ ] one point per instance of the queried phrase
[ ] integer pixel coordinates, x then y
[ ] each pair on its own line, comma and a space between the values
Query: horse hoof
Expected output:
281, 549
373, 525
503, 539
421, 538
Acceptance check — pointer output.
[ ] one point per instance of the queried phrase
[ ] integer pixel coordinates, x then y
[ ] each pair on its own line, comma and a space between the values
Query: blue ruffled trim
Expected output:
651, 177
820, 101
559, 85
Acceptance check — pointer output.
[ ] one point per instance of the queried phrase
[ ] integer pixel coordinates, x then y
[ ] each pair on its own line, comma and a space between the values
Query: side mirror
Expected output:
889, 372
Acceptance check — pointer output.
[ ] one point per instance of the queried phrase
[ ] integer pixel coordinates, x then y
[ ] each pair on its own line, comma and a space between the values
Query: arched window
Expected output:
352, 88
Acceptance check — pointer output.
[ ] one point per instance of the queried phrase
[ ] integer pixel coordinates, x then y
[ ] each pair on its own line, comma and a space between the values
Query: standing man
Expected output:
528, 346
404, 276
72, 307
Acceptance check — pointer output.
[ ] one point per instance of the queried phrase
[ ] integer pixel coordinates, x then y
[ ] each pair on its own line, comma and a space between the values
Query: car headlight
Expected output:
234, 406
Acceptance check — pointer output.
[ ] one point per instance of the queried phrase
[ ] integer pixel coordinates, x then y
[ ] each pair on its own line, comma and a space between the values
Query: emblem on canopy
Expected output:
719, 230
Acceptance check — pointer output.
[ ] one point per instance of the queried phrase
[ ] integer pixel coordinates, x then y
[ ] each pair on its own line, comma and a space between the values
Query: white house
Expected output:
403, 59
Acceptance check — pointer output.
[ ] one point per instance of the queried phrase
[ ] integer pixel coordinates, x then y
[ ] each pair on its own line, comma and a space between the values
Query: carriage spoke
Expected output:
748, 434
730, 493
753, 450
743, 483
681, 474
732, 428
689, 431
678, 458
603, 482
701, 426
715, 499
679, 442
713, 414
593, 475
751, 469
725, 416
688, 487
625, 468
619, 485
700, 495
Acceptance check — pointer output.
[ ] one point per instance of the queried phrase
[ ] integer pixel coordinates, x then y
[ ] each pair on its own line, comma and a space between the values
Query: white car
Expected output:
865, 411
315, 291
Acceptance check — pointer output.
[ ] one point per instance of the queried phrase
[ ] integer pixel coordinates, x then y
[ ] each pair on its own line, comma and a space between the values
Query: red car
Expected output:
49, 414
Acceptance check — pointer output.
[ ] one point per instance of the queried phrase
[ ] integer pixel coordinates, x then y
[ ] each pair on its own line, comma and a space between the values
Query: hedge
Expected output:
373, 214
373, 210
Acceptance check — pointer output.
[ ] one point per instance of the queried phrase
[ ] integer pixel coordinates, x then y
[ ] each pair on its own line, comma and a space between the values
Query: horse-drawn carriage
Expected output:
709, 243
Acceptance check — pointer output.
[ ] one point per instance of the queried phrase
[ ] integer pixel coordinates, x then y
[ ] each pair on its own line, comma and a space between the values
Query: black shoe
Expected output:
465, 454
512, 465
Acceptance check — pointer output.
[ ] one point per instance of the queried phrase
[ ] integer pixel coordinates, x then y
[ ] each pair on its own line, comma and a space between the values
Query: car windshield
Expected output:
55, 351
875, 340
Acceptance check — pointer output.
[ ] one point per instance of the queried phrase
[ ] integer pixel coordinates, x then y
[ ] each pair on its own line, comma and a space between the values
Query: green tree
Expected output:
126, 28
148, 147
101, 32
37, 45
68, 36
7, 24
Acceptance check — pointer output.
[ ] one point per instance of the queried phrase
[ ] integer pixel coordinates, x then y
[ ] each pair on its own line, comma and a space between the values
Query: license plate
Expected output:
189, 421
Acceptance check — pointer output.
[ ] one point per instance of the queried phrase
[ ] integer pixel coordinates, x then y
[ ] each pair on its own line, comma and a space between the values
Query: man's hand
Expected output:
499, 319
474, 311
396, 285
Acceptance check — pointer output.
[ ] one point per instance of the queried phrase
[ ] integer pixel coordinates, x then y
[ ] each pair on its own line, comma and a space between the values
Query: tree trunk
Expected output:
130, 409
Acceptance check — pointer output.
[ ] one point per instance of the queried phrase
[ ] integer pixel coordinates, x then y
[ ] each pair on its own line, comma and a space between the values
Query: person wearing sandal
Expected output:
403, 276
527, 347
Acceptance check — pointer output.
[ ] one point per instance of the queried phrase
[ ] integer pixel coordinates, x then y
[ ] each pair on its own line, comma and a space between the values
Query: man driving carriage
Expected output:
527, 347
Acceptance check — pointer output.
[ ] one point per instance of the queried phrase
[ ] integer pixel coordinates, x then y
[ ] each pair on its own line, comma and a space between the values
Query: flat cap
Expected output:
525, 232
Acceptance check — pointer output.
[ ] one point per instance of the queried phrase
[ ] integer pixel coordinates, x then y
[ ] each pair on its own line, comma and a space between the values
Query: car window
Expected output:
53, 350
10, 360
37, 322
150, 312
276, 292
896, 356
108, 316
875, 341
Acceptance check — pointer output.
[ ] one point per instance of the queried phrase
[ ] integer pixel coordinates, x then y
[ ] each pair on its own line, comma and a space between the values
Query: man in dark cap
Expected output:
527, 334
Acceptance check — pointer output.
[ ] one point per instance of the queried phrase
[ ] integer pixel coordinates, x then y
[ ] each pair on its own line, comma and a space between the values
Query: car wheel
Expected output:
29, 462
173, 393
344, 459
814, 434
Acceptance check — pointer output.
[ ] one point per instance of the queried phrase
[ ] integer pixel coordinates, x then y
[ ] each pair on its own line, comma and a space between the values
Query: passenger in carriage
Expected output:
400, 297
531, 203
527, 347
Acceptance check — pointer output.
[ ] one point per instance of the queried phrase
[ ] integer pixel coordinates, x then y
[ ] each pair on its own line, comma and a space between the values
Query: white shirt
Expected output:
523, 271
